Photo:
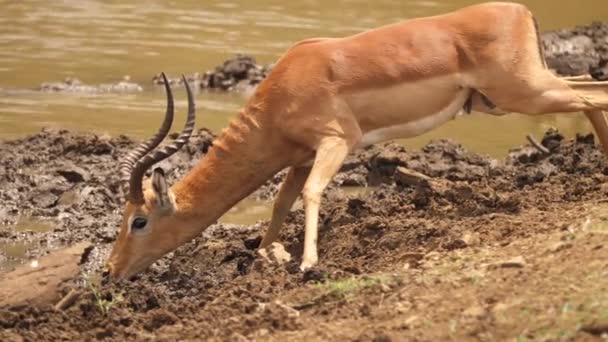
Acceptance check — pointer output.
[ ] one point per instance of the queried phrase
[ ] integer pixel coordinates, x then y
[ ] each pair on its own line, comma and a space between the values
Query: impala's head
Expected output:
149, 214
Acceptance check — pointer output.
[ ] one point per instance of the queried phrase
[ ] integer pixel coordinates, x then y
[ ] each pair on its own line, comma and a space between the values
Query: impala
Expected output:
326, 97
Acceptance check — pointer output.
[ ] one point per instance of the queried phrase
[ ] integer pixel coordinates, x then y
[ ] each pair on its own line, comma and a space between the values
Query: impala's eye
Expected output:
138, 223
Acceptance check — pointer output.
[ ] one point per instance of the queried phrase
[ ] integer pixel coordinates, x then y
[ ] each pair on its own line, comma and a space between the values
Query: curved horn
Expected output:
126, 166
136, 194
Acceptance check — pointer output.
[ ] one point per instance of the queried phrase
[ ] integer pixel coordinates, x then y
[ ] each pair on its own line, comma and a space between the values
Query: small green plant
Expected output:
104, 305
342, 288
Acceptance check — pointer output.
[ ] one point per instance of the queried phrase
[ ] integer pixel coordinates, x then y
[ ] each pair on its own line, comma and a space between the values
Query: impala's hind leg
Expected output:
600, 125
544, 93
541, 92
289, 191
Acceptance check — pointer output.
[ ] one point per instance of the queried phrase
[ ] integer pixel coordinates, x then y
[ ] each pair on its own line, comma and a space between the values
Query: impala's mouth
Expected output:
135, 270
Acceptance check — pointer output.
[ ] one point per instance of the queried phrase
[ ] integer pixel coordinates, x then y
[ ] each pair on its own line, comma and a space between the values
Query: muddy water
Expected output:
101, 41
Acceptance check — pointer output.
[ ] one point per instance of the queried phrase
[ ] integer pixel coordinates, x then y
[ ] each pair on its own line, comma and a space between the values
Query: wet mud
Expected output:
217, 287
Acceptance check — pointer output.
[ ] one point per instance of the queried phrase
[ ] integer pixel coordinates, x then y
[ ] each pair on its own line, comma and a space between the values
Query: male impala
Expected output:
328, 96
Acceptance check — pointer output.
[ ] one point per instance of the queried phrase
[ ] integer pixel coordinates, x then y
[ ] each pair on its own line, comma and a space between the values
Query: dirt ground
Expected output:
511, 249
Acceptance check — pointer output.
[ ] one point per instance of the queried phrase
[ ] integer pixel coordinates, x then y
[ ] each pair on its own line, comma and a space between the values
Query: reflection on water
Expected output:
31, 224
250, 211
12, 254
101, 41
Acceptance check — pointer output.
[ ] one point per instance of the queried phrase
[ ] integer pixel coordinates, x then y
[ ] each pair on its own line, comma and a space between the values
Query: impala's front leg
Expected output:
288, 193
329, 157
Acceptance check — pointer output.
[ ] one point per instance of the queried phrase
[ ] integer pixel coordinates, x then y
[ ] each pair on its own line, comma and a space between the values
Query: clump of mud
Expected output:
238, 73
218, 287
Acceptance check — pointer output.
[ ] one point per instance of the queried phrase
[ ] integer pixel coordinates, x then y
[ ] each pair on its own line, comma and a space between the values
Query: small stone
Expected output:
475, 312
471, 239
517, 262
560, 246
262, 333
69, 197
44, 200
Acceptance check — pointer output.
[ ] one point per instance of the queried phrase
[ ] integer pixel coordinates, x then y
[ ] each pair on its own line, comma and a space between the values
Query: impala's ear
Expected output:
161, 189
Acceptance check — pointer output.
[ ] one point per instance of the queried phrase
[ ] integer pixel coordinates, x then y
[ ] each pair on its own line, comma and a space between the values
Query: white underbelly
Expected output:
419, 126
407, 109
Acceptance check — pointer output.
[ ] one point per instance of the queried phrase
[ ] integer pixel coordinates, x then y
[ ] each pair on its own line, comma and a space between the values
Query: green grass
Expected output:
104, 305
342, 288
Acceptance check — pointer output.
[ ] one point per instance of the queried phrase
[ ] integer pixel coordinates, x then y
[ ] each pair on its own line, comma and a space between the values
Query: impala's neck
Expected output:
241, 159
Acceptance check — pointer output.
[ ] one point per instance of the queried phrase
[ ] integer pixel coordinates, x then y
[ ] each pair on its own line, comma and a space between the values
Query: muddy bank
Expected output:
217, 286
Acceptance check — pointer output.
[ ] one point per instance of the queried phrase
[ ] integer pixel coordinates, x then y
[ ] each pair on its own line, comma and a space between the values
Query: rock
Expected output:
275, 253
45, 199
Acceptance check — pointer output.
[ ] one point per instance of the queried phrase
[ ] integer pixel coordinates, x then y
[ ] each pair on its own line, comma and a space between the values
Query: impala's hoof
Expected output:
307, 264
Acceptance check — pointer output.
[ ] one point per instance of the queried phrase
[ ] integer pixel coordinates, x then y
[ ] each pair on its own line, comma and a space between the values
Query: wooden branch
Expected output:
537, 145
68, 300
405, 176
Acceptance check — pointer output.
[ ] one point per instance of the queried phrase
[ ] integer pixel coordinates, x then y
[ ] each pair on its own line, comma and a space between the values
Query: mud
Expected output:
217, 287
578, 50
